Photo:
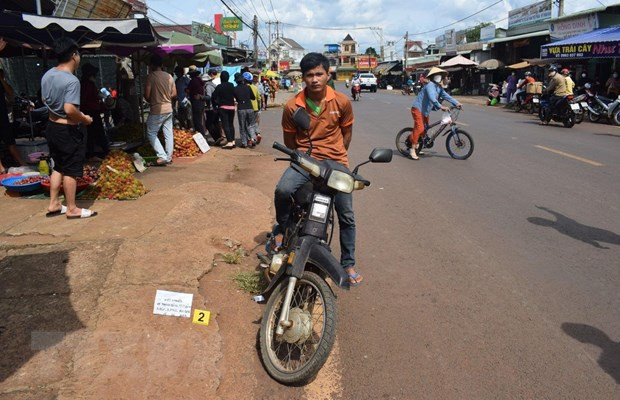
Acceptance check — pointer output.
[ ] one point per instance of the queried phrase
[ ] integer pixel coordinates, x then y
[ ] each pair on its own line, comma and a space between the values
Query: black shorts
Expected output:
67, 144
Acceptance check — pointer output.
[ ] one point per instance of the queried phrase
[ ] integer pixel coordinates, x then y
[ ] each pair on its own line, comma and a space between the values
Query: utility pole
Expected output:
560, 4
405, 53
255, 35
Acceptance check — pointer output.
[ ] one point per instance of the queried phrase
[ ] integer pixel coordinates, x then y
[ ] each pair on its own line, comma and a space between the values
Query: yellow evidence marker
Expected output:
201, 317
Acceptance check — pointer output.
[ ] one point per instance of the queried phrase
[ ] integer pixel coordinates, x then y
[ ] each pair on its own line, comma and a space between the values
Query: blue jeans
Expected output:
153, 123
247, 122
294, 178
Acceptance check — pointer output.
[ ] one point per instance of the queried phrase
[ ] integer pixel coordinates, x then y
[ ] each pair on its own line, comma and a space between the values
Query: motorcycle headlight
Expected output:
341, 181
313, 168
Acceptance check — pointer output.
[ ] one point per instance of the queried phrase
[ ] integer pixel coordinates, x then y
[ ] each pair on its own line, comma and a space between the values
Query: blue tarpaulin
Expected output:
600, 43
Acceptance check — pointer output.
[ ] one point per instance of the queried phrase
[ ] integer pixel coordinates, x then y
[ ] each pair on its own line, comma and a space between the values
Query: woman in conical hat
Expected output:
427, 101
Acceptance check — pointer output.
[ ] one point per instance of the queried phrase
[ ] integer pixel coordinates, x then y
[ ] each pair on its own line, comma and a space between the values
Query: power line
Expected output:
243, 22
239, 9
265, 8
273, 10
326, 28
460, 20
174, 22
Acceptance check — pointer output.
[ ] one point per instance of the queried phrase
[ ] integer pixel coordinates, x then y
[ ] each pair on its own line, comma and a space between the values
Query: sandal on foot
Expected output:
62, 211
85, 213
355, 279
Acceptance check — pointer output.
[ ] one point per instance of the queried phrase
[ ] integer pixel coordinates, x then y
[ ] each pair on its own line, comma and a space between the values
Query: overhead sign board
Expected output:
581, 50
487, 33
573, 27
366, 62
202, 32
530, 14
229, 24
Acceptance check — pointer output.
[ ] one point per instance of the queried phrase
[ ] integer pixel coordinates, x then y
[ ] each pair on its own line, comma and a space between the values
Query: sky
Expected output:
395, 17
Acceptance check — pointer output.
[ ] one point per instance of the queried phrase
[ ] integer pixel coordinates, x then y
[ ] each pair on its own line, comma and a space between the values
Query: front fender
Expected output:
311, 249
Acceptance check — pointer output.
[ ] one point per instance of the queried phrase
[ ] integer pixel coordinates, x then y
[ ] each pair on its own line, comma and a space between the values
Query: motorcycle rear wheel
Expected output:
579, 118
594, 117
616, 117
460, 145
295, 363
569, 121
403, 143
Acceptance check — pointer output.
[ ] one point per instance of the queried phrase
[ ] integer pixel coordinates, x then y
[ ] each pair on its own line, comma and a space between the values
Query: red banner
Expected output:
217, 25
284, 65
366, 62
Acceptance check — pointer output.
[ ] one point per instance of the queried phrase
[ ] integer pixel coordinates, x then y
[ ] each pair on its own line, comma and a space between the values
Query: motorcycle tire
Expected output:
579, 118
615, 118
518, 106
532, 108
276, 364
593, 117
569, 121
460, 144
403, 143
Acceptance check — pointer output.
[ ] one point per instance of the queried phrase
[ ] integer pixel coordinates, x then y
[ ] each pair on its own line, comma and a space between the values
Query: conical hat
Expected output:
436, 70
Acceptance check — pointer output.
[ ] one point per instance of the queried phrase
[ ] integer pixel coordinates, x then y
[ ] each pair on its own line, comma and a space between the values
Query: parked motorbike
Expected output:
563, 111
598, 106
298, 327
355, 92
407, 90
28, 120
583, 108
613, 111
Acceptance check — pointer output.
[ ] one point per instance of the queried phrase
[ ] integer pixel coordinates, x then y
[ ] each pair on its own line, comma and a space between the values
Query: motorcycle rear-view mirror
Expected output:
381, 156
301, 118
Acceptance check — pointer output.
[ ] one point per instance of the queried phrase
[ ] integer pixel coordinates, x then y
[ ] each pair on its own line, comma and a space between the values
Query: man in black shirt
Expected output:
245, 112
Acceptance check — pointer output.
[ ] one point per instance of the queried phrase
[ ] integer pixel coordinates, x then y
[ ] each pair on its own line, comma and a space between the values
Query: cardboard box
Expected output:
534, 88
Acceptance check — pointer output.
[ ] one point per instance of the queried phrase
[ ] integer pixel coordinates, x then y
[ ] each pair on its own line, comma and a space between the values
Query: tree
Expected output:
371, 51
473, 35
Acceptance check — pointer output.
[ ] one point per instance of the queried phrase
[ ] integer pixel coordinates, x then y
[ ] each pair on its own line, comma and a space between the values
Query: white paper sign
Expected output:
201, 142
173, 303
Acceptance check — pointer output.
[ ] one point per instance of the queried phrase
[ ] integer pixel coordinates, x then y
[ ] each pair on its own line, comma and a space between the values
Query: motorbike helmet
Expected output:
553, 68
588, 85
247, 76
565, 71
528, 73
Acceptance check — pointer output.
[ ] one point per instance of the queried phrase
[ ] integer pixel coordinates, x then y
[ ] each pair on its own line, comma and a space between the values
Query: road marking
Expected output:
574, 157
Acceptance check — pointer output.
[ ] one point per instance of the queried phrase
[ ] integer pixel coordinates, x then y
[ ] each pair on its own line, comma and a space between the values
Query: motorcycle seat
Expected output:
605, 99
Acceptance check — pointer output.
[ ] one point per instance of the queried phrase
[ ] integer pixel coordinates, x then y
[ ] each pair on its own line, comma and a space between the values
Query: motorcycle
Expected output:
407, 90
613, 111
530, 104
27, 120
355, 91
583, 108
563, 111
298, 327
598, 106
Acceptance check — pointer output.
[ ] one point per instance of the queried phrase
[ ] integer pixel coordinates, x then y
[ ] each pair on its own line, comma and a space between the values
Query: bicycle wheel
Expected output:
403, 142
459, 144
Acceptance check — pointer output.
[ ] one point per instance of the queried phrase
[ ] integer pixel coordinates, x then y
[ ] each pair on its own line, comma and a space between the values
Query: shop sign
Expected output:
202, 32
366, 62
284, 65
573, 27
487, 33
229, 24
530, 14
450, 37
582, 50
440, 41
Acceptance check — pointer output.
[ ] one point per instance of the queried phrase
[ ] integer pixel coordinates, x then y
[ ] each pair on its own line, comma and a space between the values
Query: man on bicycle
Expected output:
429, 99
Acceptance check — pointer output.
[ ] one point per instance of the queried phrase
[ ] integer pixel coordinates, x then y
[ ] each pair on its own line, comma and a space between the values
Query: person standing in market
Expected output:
6, 131
212, 117
182, 102
612, 86
244, 96
224, 98
266, 89
196, 90
256, 105
91, 105
60, 90
511, 86
159, 92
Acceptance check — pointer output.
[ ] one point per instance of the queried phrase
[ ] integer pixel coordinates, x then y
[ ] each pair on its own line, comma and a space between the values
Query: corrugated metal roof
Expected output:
92, 9
518, 37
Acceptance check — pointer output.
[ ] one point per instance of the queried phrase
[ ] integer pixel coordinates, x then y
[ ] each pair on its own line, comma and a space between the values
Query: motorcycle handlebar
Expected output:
283, 149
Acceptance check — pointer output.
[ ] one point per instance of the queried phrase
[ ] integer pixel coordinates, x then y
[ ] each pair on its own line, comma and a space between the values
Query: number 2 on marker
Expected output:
201, 317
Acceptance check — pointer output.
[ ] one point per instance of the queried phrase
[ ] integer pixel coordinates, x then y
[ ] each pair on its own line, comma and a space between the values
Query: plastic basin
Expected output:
9, 183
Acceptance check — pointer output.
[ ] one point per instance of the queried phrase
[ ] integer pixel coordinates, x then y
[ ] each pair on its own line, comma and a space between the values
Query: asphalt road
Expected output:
494, 277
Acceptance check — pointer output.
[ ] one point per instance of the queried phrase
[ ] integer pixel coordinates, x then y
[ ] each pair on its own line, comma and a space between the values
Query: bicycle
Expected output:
459, 143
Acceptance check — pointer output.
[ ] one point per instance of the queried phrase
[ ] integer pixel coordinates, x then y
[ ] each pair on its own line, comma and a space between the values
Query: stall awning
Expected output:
384, 67
41, 31
519, 37
601, 43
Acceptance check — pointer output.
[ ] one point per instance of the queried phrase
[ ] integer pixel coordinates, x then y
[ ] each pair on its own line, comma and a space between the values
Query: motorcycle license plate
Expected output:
584, 104
320, 208
535, 100
575, 107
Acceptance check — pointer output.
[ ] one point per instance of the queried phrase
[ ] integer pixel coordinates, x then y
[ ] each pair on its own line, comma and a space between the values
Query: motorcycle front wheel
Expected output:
594, 117
615, 118
579, 117
459, 144
298, 355
403, 141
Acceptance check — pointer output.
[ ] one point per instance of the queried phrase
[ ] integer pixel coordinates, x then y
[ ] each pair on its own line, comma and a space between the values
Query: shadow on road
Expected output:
35, 309
575, 230
609, 360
